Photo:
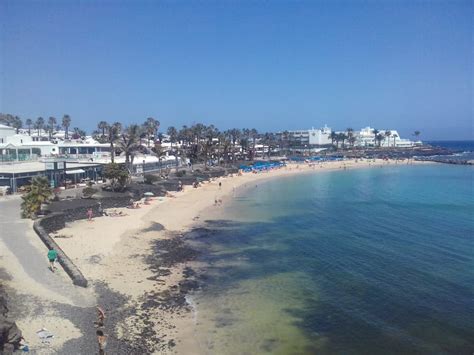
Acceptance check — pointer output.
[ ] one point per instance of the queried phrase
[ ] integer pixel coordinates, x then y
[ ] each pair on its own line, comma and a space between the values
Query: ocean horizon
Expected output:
363, 261
460, 146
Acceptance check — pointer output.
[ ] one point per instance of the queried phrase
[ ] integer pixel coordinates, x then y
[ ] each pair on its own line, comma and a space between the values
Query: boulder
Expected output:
10, 334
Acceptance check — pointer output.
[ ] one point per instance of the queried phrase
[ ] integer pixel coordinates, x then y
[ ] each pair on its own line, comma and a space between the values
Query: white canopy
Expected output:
75, 171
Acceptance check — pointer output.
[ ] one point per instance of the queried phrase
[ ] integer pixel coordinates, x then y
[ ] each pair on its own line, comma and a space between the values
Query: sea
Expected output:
462, 150
458, 146
361, 261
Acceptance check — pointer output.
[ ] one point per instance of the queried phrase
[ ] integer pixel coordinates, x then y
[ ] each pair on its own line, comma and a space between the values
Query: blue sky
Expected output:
271, 65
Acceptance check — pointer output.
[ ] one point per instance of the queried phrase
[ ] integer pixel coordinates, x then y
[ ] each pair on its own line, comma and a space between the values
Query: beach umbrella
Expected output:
148, 194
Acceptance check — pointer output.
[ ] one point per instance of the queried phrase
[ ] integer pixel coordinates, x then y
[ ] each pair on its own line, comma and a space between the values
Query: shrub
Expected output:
150, 179
38, 192
118, 175
181, 173
88, 192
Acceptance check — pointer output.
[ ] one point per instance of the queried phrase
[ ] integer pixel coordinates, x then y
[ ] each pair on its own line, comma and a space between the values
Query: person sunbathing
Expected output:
117, 214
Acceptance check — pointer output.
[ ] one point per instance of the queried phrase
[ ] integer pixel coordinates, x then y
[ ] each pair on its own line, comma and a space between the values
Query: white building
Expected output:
5, 133
23, 147
321, 136
309, 137
366, 138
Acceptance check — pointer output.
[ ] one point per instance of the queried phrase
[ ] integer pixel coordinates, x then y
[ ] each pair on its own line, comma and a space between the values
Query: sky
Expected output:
270, 65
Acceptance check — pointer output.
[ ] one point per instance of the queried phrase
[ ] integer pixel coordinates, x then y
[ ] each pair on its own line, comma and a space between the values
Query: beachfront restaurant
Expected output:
59, 173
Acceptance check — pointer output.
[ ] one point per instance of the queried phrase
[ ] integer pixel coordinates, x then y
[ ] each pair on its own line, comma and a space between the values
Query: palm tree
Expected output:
39, 125
130, 144
350, 136
388, 134
375, 132
7, 119
198, 130
352, 140
211, 132
285, 141
223, 147
51, 124
112, 137
173, 134
160, 153
416, 134
38, 192
234, 135
342, 137
151, 127
28, 123
66, 122
395, 136
78, 133
379, 138
102, 126
17, 124
206, 146
269, 140
333, 137
253, 134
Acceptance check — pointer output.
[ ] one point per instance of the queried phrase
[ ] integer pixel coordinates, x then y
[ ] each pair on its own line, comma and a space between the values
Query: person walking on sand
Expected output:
100, 317
52, 256
89, 214
101, 341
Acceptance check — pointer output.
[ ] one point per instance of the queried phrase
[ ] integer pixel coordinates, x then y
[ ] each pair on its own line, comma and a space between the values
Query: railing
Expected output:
152, 167
12, 159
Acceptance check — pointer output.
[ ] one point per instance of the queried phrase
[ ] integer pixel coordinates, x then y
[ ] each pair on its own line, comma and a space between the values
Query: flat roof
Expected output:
37, 166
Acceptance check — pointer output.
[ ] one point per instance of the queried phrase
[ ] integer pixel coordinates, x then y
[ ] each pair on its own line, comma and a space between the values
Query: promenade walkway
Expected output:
17, 235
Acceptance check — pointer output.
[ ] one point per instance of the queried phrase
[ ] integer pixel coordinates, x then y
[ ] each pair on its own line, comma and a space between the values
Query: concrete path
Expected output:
18, 236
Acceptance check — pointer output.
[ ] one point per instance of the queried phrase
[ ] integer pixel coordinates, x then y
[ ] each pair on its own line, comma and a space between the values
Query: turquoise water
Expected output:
365, 261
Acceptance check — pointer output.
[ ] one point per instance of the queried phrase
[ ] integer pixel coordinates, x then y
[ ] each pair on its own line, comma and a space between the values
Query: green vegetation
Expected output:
89, 191
129, 143
150, 179
37, 193
118, 175
66, 122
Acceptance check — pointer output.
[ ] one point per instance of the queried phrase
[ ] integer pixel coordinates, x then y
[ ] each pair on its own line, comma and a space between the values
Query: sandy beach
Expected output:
120, 252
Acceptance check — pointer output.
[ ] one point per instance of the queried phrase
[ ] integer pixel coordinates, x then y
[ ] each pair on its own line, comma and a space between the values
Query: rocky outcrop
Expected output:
10, 335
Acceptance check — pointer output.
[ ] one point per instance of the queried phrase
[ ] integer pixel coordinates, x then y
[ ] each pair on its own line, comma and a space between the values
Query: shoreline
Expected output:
143, 257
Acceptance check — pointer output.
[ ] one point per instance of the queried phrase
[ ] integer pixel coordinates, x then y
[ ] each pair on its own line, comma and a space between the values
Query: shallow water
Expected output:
362, 261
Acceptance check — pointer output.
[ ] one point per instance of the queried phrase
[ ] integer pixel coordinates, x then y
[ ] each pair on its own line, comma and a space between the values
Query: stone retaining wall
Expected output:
67, 264
73, 210
68, 211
